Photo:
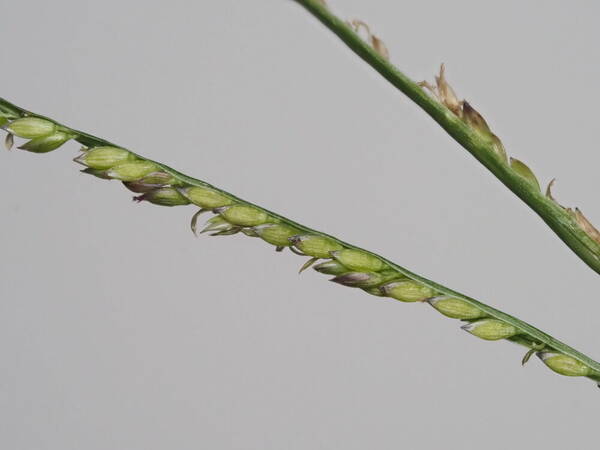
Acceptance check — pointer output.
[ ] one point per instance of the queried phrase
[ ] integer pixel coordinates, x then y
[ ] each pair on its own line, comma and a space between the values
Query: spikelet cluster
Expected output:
444, 93
346, 265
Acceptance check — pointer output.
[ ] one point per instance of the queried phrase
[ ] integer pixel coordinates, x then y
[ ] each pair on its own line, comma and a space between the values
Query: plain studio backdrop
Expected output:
120, 330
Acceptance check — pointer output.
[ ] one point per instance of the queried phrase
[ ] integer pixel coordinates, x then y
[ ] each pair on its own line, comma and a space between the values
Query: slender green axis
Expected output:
582, 239
351, 266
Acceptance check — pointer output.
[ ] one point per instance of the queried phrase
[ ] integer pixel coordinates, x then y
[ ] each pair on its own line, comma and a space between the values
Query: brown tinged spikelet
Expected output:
331, 267
444, 93
473, 118
581, 221
377, 44
586, 225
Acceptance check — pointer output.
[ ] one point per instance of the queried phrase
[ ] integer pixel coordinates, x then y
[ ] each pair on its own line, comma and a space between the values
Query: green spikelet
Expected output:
243, 215
164, 196
276, 233
315, 246
104, 158
455, 308
358, 260
408, 291
132, 170
490, 329
45, 144
565, 365
31, 127
523, 170
205, 197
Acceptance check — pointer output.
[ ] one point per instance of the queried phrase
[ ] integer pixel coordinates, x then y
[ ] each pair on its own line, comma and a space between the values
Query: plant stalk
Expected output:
556, 217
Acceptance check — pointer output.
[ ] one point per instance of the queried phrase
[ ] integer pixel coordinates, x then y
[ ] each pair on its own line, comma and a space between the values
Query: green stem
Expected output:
528, 336
553, 214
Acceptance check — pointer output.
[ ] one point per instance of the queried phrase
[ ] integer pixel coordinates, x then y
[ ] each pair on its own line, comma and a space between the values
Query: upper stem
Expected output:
556, 217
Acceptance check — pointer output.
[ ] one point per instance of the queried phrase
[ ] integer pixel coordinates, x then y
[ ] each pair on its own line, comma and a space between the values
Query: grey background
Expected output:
119, 330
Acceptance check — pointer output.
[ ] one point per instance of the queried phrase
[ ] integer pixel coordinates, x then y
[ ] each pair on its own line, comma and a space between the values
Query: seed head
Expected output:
564, 364
132, 170
31, 127
524, 171
46, 144
150, 182
164, 196
491, 329
358, 260
243, 215
331, 268
455, 308
407, 291
205, 197
316, 246
275, 233
104, 158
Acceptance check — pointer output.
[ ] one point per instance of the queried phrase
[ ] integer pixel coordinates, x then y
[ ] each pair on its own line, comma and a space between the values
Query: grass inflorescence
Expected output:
346, 264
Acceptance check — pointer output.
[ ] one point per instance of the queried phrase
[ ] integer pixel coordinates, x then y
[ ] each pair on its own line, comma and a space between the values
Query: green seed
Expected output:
565, 365
165, 196
132, 170
31, 127
331, 268
244, 215
46, 144
408, 291
275, 233
490, 329
315, 246
205, 197
455, 308
104, 158
359, 260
